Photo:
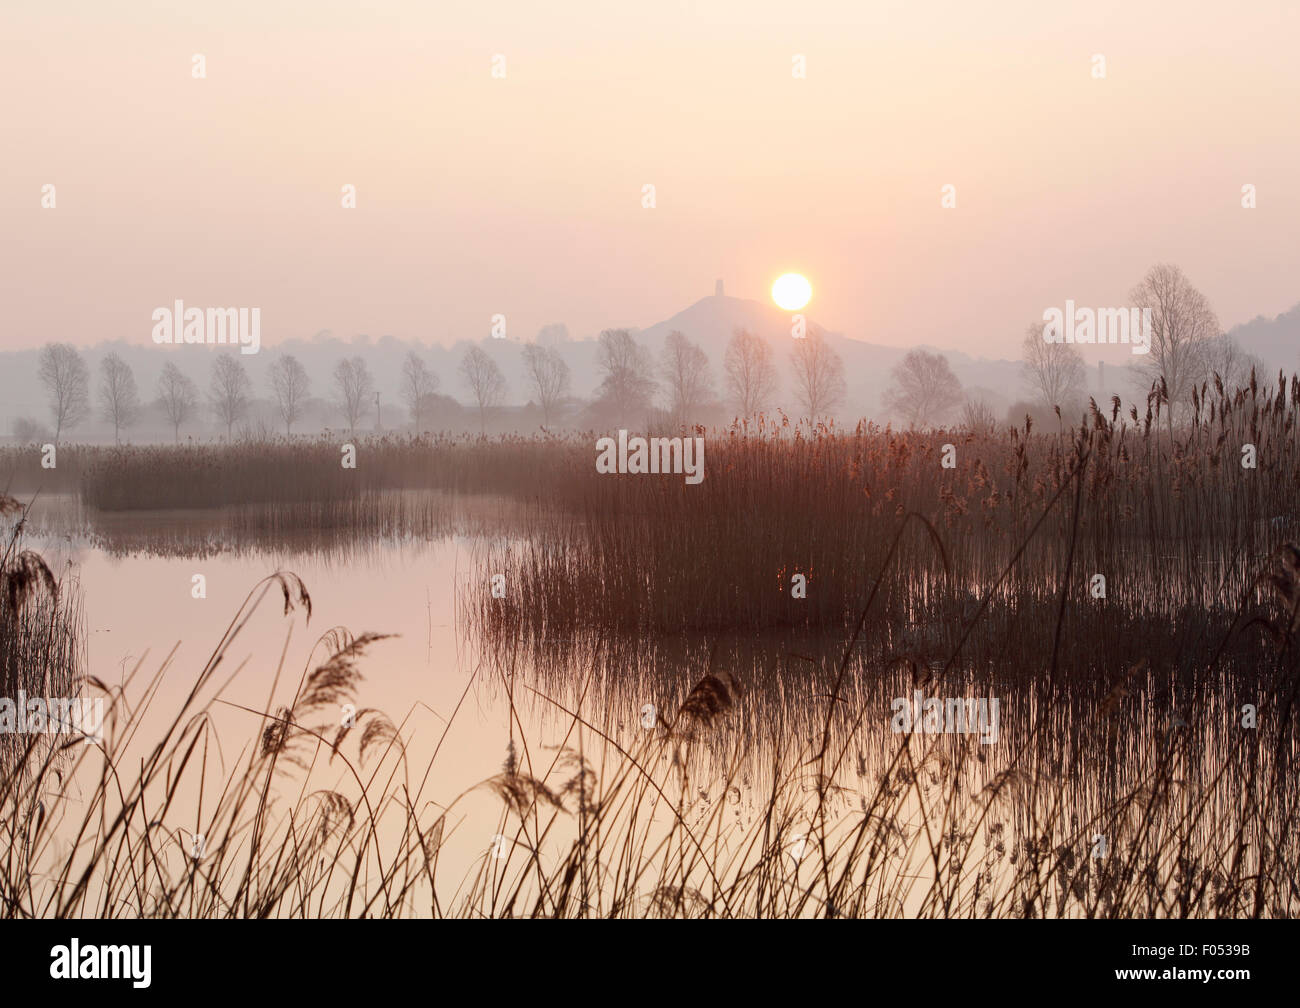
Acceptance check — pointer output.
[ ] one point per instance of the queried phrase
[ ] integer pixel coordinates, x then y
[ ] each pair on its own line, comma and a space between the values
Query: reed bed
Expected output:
42, 631
692, 815
1020, 524
771, 492
1166, 518
765, 782
309, 470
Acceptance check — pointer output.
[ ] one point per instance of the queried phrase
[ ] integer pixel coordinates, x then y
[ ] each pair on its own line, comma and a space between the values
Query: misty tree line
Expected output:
1188, 349
634, 387
673, 391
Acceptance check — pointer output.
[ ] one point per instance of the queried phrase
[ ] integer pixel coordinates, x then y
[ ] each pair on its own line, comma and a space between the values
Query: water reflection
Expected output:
1126, 771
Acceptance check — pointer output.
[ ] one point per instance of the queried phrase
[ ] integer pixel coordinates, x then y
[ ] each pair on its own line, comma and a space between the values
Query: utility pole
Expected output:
379, 424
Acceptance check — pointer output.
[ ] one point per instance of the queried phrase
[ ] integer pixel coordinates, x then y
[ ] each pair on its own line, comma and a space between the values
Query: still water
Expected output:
781, 715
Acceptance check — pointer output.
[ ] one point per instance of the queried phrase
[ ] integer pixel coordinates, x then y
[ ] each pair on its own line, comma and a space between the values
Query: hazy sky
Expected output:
522, 195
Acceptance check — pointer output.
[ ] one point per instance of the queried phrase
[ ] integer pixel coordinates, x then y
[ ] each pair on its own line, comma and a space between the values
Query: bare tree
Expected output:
1054, 372
628, 385
178, 396
228, 391
418, 384
290, 386
119, 401
818, 375
749, 373
924, 388
1223, 356
685, 370
548, 375
485, 380
1182, 322
355, 389
977, 416
67, 382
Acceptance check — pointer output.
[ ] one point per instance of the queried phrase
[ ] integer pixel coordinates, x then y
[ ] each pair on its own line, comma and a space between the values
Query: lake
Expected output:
772, 772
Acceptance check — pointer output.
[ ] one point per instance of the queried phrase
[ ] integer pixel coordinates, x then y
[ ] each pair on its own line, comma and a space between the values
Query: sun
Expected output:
791, 291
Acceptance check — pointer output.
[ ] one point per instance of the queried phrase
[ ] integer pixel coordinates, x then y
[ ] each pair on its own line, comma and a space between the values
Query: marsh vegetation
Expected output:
681, 734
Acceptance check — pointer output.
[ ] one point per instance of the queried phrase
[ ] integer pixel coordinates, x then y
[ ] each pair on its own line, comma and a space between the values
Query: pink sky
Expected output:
522, 196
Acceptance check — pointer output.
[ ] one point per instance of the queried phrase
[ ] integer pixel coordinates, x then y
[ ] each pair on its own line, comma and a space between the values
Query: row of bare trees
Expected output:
631, 378
546, 372
630, 381
63, 372
66, 379
1187, 348
749, 375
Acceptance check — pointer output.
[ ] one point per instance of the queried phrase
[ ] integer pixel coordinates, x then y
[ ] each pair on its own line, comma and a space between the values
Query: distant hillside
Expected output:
1276, 341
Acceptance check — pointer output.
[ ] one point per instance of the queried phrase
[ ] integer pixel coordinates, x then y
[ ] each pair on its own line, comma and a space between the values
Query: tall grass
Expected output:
767, 782
694, 816
42, 635
654, 554
1024, 522
292, 471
